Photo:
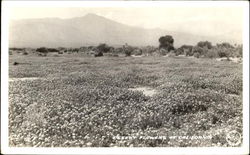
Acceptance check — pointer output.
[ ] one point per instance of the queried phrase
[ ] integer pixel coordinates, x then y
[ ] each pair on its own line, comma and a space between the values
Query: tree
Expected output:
166, 42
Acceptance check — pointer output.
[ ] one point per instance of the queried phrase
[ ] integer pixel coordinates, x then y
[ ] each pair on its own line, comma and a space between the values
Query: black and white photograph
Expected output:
125, 75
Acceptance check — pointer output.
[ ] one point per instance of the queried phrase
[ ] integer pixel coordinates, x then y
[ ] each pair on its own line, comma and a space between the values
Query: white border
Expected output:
194, 150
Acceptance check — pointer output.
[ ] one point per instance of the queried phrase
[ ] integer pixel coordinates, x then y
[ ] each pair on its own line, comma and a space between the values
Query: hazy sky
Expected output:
203, 21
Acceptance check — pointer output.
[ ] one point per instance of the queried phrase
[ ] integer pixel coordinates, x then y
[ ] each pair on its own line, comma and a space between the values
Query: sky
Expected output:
208, 21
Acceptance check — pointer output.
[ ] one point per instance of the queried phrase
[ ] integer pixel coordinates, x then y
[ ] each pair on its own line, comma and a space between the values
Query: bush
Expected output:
212, 53
52, 50
188, 52
41, 54
197, 55
171, 54
127, 53
205, 44
15, 63
98, 54
149, 50
17, 49
163, 51
224, 45
127, 50
103, 48
239, 50
118, 50
222, 53
137, 52
25, 53
42, 50
179, 51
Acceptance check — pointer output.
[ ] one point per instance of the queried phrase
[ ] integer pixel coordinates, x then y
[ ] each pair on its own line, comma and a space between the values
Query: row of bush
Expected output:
166, 47
205, 49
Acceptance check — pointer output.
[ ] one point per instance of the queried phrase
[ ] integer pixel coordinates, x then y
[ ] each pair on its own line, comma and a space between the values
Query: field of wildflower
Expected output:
75, 101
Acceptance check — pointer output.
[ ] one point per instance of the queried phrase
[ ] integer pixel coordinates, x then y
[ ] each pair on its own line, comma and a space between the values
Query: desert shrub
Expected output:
55, 55
149, 50
212, 53
127, 52
52, 50
171, 54
16, 49
15, 63
60, 52
61, 48
228, 50
205, 44
118, 50
137, 51
225, 45
75, 50
91, 47
188, 52
83, 49
72, 50
222, 52
42, 54
239, 50
127, 49
42, 50
25, 53
163, 51
98, 54
197, 49
197, 55
103, 48
179, 51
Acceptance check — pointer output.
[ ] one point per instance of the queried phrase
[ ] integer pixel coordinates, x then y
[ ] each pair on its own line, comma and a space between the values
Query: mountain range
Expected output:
92, 29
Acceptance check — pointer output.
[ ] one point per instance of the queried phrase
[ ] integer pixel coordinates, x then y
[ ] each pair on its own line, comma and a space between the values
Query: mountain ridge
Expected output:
90, 29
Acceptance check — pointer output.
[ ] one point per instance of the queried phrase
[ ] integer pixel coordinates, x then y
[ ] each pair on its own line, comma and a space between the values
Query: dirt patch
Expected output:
235, 60
145, 90
23, 79
137, 56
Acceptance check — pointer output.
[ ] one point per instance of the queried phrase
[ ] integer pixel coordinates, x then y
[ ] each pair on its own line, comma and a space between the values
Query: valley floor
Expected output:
76, 101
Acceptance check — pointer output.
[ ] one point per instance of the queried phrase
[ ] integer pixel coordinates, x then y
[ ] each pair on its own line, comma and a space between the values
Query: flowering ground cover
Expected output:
74, 101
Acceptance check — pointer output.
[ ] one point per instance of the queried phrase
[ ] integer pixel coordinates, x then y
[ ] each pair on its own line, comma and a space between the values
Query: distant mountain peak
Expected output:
94, 16
90, 29
91, 15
